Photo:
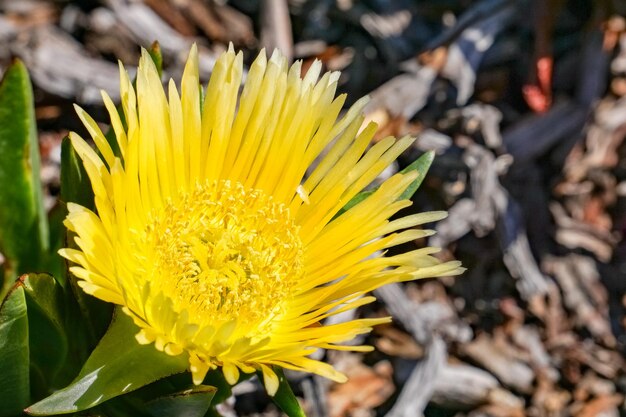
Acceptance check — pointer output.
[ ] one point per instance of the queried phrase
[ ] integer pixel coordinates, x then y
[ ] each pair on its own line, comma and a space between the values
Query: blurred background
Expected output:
524, 102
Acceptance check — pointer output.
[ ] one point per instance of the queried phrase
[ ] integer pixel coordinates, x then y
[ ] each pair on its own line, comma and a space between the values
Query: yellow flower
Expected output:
211, 236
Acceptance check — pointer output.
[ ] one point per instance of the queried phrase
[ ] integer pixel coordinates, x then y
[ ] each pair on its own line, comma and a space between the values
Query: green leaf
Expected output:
55, 265
194, 402
14, 354
284, 397
215, 378
21, 212
118, 365
117, 407
420, 165
157, 56
45, 300
76, 188
75, 185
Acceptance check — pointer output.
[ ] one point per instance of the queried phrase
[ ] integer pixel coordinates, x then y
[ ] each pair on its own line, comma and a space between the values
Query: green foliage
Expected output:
23, 223
194, 402
285, 398
157, 56
76, 188
75, 185
47, 314
420, 165
117, 366
39, 333
216, 379
56, 265
14, 354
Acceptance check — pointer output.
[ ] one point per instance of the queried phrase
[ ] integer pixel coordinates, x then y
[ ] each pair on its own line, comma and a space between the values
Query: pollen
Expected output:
224, 252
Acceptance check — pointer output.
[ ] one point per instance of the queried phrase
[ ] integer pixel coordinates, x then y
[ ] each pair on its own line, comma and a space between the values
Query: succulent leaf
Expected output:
21, 212
117, 366
14, 354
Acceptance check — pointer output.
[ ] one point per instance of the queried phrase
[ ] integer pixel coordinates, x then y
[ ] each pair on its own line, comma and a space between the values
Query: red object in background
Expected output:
538, 95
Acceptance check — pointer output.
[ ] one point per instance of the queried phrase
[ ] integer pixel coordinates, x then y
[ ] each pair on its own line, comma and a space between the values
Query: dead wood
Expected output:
463, 387
419, 388
509, 369
276, 27
61, 66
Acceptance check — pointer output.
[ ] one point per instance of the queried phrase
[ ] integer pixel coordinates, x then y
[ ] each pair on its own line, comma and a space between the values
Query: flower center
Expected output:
223, 253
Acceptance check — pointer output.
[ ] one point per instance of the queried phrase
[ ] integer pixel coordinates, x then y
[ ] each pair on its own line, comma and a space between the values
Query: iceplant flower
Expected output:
211, 236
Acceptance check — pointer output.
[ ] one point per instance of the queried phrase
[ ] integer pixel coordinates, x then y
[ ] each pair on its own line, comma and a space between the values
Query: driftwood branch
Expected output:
276, 27
419, 388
